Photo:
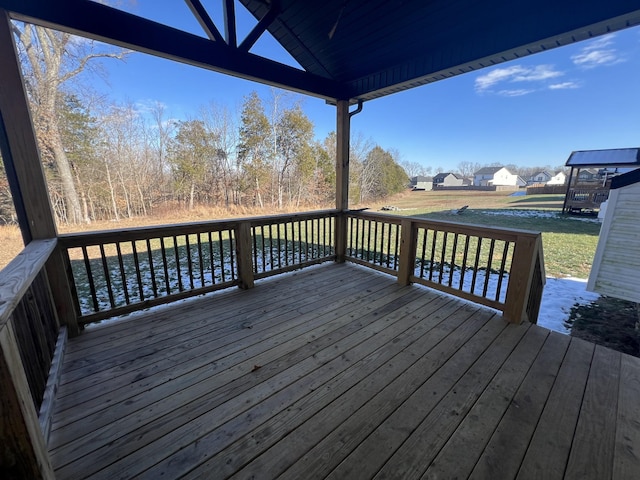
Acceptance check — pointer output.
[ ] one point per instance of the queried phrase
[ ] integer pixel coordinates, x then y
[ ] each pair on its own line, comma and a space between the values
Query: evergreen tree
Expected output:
255, 154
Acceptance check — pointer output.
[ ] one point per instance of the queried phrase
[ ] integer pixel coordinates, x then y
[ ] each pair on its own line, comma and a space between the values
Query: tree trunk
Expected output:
192, 195
71, 198
114, 205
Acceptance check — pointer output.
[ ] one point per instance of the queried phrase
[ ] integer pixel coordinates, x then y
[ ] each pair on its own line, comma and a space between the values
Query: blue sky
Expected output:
529, 112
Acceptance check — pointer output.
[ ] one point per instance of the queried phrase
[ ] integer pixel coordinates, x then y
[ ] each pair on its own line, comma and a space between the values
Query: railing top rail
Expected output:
498, 233
71, 240
20, 273
271, 219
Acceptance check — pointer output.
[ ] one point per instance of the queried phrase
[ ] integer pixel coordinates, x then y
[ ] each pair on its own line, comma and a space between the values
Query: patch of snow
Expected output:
538, 214
518, 194
559, 295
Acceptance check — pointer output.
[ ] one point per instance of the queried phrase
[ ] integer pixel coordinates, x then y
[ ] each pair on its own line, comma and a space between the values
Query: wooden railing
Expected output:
288, 242
29, 335
585, 197
117, 272
499, 268
121, 271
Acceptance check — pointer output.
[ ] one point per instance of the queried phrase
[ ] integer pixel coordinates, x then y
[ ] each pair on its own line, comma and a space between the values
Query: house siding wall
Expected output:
616, 267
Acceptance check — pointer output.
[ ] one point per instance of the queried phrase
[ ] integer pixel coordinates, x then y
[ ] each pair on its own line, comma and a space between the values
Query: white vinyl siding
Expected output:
616, 266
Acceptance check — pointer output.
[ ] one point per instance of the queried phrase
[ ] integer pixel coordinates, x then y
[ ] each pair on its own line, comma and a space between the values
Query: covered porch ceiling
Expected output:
348, 49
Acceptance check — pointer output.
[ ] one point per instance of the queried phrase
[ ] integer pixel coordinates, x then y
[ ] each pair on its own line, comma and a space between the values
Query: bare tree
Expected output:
468, 168
50, 60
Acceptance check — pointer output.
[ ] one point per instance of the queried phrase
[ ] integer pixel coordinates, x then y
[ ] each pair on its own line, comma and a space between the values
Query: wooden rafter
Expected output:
204, 20
230, 23
260, 28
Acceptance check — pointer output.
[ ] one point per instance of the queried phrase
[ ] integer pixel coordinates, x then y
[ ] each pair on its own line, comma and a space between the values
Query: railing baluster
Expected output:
92, 286
424, 249
177, 255
475, 265
306, 239
107, 276
136, 263
383, 254
375, 240
187, 246
299, 241
286, 242
263, 246
152, 272
434, 239
313, 242
123, 274
488, 271
212, 262
271, 246
200, 257
231, 255
503, 263
463, 269
453, 259
396, 248
165, 266
254, 235
443, 256
279, 246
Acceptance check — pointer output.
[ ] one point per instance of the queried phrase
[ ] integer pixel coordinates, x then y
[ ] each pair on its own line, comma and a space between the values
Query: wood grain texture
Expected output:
338, 372
17, 277
593, 445
23, 453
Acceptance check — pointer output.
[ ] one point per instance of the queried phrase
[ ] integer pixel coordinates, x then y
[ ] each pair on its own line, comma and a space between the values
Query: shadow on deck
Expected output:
338, 372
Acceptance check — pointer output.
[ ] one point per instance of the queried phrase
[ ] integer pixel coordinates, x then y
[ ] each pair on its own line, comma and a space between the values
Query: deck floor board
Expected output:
337, 372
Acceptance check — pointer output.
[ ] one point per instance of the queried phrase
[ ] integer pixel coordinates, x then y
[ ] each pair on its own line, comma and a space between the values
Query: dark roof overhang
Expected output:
350, 49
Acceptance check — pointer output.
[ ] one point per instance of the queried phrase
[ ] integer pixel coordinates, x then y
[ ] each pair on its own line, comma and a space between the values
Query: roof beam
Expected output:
100, 22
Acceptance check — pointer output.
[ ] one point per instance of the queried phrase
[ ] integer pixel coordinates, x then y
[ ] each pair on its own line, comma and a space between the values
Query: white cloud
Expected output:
598, 53
563, 85
516, 92
513, 74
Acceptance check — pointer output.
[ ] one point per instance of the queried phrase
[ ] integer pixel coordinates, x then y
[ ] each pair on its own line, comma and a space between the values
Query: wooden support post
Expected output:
342, 177
408, 247
21, 139
24, 452
521, 275
29, 186
243, 255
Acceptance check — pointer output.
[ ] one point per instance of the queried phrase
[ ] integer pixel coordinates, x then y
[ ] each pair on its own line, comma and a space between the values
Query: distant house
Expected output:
448, 179
421, 182
496, 176
559, 178
540, 177
616, 266
588, 175
548, 178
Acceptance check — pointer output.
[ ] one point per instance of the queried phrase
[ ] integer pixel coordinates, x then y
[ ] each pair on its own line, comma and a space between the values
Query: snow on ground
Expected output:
560, 294
539, 214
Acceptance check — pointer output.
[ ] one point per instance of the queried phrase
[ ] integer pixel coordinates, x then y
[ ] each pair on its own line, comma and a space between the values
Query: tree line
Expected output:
105, 160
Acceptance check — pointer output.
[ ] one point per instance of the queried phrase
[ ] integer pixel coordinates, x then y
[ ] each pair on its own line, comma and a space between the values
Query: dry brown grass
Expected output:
11, 239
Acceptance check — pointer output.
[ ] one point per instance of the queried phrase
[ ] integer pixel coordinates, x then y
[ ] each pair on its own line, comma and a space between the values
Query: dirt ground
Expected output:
610, 322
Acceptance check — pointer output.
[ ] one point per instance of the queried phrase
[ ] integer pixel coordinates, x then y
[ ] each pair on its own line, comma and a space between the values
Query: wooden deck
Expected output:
337, 372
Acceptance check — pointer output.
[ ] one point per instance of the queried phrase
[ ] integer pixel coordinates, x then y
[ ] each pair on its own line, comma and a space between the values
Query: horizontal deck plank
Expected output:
338, 372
